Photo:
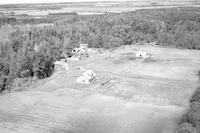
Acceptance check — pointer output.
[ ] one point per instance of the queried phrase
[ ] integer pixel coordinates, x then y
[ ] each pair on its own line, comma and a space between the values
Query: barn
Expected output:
142, 54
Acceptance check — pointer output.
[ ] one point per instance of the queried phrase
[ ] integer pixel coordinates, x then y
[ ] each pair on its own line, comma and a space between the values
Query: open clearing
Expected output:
145, 95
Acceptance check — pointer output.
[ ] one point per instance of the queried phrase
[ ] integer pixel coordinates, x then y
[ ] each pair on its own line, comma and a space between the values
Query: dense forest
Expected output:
31, 51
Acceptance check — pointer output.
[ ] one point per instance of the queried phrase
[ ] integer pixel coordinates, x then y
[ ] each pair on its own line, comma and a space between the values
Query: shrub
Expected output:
192, 115
22, 83
196, 96
198, 74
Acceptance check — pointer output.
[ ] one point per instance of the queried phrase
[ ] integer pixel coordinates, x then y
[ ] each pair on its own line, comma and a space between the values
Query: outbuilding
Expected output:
142, 54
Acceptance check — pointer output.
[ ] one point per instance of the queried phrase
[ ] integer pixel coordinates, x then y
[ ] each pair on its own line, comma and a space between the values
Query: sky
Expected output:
46, 1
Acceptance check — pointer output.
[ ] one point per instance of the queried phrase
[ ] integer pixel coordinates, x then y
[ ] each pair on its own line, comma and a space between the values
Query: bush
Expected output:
192, 115
22, 83
196, 96
198, 74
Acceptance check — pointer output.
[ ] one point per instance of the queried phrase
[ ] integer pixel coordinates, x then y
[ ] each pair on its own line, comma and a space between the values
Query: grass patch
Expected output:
20, 84
149, 60
124, 59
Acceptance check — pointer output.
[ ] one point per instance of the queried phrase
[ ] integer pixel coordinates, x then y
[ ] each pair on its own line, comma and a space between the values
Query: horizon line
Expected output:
79, 1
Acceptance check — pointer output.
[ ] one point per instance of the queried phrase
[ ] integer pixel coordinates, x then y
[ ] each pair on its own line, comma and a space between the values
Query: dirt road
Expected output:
142, 101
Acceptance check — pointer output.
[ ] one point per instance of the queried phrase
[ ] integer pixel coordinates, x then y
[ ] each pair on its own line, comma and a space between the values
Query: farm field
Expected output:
88, 8
130, 95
